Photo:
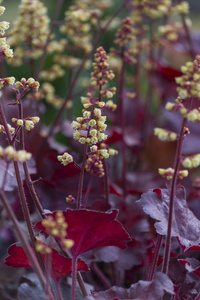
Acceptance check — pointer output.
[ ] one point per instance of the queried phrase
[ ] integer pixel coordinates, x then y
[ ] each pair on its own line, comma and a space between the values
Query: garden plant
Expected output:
99, 150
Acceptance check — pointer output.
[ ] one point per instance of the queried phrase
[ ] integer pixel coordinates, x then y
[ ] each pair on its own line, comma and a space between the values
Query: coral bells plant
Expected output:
100, 197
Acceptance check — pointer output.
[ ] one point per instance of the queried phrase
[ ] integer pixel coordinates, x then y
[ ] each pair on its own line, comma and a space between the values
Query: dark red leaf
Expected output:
185, 226
17, 257
92, 229
61, 265
168, 72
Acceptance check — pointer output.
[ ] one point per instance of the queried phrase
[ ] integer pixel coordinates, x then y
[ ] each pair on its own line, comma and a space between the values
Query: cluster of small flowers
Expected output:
56, 226
53, 73
189, 87
94, 164
70, 199
7, 81
102, 5
169, 32
4, 47
41, 247
28, 123
30, 28
47, 92
157, 9
11, 129
68, 61
189, 82
79, 19
154, 9
65, 159
168, 173
9, 154
57, 46
165, 135
92, 122
27, 84
125, 35
191, 161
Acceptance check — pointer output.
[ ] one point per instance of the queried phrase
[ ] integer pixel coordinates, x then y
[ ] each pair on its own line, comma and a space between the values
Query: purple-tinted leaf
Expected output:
9, 172
124, 259
185, 226
142, 290
191, 264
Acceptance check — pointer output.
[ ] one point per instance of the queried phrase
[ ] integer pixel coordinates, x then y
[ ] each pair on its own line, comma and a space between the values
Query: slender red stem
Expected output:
122, 119
81, 178
74, 271
172, 196
23, 239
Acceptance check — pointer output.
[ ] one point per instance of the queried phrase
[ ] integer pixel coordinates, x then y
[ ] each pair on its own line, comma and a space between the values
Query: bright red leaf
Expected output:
61, 265
93, 229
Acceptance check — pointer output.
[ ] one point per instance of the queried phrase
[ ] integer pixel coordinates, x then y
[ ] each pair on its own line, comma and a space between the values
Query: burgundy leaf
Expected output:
92, 229
185, 226
61, 265
168, 72
17, 257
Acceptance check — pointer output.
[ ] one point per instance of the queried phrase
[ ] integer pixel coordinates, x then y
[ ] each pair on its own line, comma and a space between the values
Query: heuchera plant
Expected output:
99, 197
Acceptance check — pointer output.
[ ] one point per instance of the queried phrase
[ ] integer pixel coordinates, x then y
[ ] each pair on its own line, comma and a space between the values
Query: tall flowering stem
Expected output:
80, 69
188, 89
123, 37
88, 129
172, 195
